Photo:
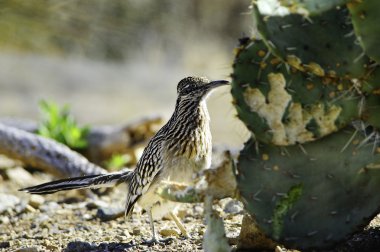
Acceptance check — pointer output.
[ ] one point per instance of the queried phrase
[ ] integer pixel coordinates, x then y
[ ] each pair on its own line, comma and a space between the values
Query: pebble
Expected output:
168, 232
20, 176
136, 231
50, 206
8, 201
181, 214
126, 233
106, 214
233, 207
4, 219
36, 200
5, 244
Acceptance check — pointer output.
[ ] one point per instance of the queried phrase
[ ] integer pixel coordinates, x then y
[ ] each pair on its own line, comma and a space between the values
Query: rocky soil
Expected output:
72, 221
76, 221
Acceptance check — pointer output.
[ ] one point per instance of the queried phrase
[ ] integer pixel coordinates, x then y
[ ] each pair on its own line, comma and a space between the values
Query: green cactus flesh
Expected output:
323, 44
366, 20
310, 7
284, 106
372, 111
371, 107
314, 195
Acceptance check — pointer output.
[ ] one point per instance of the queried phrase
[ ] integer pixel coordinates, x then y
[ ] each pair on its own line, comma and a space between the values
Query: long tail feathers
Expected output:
91, 181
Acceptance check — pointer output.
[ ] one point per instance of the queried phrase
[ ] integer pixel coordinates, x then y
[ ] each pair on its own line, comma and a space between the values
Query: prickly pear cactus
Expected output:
282, 105
366, 19
314, 195
310, 174
324, 44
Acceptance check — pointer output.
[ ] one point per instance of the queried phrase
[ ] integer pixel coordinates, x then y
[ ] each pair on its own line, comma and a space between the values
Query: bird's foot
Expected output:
184, 236
155, 241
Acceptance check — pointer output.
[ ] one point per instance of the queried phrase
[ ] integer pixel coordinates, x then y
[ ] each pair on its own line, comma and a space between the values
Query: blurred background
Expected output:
116, 61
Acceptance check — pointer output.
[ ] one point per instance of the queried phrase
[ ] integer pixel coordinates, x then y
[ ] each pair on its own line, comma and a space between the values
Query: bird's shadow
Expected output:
80, 246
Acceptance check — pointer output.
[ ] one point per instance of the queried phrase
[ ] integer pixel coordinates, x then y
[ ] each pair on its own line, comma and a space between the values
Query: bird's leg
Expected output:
179, 225
154, 234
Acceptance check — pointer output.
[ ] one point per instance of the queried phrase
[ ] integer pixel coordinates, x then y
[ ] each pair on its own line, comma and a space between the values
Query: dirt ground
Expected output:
72, 221
69, 221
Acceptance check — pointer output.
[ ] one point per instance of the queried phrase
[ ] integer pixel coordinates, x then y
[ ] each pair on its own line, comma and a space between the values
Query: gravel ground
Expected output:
68, 221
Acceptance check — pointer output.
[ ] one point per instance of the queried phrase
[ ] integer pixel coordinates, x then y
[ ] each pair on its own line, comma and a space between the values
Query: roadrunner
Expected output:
180, 148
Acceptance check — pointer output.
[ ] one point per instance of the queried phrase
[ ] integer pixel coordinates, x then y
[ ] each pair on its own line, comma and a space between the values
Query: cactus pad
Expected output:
284, 106
323, 44
315, 195
366, 20
310, 7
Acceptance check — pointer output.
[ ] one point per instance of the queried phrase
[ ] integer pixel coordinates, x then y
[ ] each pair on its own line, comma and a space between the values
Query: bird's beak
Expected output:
218, 83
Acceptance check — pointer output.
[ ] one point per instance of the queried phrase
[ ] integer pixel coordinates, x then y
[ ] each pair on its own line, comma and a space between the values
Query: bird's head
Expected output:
197, 87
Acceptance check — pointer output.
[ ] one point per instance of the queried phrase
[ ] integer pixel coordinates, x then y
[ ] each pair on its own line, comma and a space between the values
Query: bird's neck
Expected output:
188, 117
192, 112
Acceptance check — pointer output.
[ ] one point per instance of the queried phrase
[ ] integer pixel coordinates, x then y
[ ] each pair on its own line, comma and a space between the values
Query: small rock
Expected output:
198, 209
30, 209
22, 206
96, 204
120, 238
6, 163
5, 244
181, 214
168, 232
126, 233
136, 231
87, 216
106, 214
42, 218
36, 200
233, 207
8, 201
50, 207
20, 176
27, 249
4, 220
52, 248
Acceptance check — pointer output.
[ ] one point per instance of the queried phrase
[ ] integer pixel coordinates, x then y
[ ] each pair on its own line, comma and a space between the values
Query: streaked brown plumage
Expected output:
180, 148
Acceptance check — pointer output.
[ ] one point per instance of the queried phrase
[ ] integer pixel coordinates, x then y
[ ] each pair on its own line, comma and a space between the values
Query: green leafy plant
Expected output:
117, 162
59, 124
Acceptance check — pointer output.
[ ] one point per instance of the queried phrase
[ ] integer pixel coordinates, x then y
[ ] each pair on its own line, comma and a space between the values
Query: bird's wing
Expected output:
147, 169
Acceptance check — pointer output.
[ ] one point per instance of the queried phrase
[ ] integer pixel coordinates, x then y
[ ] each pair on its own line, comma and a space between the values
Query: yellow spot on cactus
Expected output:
309, 86
332, 94
355, 142
325, 119
275, 61
261, 53
295, 62
332, 74
263, 65
276, 168
326, 81
265, 157
378, 150
340, 87
278, 99
273, 107
376, 91
315, 69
